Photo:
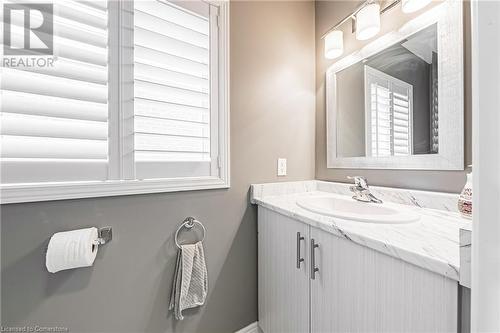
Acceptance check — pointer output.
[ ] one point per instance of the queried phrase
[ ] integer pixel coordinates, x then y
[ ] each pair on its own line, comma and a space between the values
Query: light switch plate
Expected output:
281, 166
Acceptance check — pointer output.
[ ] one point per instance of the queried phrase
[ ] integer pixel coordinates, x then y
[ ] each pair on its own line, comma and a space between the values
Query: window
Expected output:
136, 102
388, 107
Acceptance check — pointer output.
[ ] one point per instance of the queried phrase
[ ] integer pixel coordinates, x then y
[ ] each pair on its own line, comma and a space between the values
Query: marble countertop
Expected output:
431, 243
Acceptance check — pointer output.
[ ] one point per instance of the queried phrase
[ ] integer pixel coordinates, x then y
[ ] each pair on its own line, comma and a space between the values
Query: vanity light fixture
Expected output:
334, 44
410, 6
368, 21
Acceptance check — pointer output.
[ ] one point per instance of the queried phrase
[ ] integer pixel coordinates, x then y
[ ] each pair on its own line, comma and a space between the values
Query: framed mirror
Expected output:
398, 103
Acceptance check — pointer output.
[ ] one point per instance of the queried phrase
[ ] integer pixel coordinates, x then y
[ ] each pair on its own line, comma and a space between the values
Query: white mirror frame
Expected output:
449, 19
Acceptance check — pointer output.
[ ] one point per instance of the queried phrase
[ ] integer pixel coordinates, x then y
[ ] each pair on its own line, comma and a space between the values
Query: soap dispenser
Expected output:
465, 198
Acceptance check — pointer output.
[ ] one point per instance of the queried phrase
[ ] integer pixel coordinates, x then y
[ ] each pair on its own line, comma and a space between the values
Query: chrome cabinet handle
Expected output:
299, 259
314, 269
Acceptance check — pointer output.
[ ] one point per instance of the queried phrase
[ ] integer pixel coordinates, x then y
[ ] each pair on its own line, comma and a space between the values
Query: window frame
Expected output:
121, 179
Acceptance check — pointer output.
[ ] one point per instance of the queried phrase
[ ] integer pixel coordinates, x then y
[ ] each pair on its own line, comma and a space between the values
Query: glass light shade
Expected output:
368, 22
410, 6
334, 44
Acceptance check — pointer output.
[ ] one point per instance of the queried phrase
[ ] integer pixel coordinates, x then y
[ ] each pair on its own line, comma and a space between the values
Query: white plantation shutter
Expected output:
54, 120
174, 69
388, 114
380, 120
401, 119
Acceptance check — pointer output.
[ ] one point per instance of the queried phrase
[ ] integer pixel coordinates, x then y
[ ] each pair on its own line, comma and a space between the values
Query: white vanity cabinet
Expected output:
356, 289
283, 288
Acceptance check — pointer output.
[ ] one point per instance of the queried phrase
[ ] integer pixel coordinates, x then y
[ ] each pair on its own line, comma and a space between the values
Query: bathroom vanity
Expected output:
328, 263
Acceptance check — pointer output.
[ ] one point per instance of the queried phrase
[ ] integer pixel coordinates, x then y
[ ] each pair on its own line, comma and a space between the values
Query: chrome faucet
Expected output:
361, 190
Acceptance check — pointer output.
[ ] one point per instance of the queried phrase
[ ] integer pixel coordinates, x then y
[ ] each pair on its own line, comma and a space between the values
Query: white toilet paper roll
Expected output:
71, 249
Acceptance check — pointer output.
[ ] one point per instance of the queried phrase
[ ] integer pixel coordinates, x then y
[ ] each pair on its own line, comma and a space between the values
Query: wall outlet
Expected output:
281, 166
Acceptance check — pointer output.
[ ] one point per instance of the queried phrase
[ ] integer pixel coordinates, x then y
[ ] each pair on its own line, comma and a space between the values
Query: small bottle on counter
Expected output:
465, 198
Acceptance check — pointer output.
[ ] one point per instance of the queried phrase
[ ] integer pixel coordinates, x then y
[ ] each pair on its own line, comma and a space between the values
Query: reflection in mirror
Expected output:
387, 104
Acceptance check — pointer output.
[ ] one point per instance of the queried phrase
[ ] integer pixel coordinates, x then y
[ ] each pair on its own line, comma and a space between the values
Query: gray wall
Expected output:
127, 289
329, 12
350, 100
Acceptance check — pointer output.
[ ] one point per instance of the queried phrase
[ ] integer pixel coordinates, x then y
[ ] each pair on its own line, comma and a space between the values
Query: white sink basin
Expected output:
351, 209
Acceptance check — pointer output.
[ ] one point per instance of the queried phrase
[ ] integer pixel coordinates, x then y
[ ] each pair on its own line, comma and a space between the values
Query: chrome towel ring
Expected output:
189, 223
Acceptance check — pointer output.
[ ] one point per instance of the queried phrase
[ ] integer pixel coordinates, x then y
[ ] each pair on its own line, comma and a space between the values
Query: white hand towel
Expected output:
190, 283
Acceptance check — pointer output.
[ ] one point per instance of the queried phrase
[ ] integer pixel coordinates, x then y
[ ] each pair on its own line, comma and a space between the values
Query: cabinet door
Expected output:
358, 289
283, 288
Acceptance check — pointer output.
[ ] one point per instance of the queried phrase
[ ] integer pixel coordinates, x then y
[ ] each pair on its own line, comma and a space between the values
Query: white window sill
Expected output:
17, 193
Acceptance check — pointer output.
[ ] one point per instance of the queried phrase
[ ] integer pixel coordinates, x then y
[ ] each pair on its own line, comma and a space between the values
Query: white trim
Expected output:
74, 190
252, 328
224, 89
114, 91
449, 17
215, 84
125, 75
485, 263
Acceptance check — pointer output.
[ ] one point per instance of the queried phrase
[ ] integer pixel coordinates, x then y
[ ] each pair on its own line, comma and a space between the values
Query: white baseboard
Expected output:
252, 328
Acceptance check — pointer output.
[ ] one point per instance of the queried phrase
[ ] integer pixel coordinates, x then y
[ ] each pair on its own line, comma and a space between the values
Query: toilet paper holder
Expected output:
105, 235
